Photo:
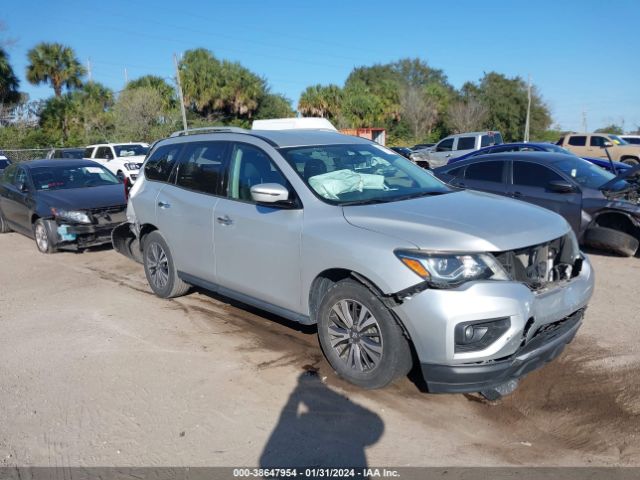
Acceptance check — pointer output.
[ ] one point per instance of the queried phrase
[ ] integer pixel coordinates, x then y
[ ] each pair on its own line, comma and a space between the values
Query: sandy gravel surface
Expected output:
96, 371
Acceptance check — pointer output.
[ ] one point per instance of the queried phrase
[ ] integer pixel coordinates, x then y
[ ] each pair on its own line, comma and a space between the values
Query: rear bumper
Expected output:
546, 345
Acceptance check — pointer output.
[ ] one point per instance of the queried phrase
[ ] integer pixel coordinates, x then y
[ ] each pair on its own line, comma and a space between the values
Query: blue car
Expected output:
540, 147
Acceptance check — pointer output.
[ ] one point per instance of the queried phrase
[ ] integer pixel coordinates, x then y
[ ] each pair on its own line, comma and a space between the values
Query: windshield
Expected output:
76, 153
617, 140
587, 174
361, 174
130, 150
62, 178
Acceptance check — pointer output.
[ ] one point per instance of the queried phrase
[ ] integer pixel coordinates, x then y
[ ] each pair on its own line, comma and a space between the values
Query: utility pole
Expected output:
526, 125
89, 68
126, 77
584, 120
184, 114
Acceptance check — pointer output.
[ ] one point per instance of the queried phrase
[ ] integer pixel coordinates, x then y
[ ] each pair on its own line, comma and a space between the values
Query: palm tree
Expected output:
55, 64
8, 81
321, 101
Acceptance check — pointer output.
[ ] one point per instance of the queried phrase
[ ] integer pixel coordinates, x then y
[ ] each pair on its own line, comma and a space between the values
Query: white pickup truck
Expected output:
454, 146
122, 159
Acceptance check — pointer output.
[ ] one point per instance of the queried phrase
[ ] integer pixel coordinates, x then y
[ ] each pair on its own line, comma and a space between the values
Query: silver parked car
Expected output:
395, 267
454, 146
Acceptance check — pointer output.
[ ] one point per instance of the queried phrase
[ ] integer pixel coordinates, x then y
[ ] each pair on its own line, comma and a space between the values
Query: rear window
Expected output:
88, 152
578, 141
466, 143
493, 138
485, 171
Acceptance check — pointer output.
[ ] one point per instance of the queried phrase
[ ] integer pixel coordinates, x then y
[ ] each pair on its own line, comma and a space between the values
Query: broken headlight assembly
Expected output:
448, 270
71, 215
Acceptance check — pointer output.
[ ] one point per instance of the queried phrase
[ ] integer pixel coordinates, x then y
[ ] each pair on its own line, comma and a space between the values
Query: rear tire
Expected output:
631, 161
160, 269
611, 240
44, 236
4, 226
360, 337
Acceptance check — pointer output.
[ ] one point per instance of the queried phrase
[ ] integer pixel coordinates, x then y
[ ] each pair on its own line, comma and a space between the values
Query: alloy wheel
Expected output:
355, 335
158, 265
42, 240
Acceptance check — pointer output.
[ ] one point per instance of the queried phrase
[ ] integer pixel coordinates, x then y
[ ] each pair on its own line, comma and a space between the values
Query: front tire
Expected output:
44, 236
360, 337
160, 269
631, 161
611, 240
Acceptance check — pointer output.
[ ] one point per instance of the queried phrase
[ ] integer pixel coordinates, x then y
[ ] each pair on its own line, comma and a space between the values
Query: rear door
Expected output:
185, 208
530, 183
257, 247
486, 176
577, 144
464, 145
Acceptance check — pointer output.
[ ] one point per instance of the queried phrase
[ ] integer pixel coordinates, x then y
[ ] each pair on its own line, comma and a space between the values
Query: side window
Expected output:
533, 174
159, 165
466, 143
597, 141
560, 140
456, 172
202, 166
20, 178
485, 171
250, 166
485, 141
104, 153
9, 173
445, 146
88, 152
578, 140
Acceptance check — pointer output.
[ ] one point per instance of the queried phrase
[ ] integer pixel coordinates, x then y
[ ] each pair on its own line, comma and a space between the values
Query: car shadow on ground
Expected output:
318, 427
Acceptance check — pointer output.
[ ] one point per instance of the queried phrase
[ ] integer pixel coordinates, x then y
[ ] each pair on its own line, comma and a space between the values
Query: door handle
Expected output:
224, 220
162, 204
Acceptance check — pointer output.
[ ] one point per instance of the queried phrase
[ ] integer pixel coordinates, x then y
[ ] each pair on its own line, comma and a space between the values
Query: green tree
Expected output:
55, 64
613, 128
219, 90
139, 116
321, 101
9, 83
273, 105
167, 92
506, 103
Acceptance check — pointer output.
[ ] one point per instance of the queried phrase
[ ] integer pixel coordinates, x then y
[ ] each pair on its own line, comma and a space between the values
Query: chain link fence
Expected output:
24, 154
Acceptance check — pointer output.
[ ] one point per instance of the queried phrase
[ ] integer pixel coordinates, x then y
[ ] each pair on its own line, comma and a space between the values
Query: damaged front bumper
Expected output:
431, 317
78, 236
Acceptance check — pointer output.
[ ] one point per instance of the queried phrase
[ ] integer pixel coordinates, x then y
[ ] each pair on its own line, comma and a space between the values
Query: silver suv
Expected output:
395, 267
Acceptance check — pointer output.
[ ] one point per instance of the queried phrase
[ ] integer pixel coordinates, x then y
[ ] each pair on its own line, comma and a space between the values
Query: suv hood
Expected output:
461, 221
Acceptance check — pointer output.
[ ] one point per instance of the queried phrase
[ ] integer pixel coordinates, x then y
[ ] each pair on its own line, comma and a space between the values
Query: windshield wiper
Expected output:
373, 201
418, 195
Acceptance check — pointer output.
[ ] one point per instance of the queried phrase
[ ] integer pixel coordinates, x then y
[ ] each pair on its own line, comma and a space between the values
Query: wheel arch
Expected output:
618, 221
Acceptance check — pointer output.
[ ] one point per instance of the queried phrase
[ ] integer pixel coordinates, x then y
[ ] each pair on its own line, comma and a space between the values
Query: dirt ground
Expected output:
97, 371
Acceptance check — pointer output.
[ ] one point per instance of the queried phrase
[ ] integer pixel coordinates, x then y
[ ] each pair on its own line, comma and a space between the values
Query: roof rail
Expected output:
201, 130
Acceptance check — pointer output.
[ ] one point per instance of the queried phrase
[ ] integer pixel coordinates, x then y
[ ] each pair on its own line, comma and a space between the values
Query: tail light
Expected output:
127, 187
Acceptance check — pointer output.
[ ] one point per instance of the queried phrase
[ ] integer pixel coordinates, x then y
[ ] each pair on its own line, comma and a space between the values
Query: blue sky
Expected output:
582, 55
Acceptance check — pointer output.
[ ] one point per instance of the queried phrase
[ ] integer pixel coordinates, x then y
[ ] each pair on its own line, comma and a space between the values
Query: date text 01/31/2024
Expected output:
316, 472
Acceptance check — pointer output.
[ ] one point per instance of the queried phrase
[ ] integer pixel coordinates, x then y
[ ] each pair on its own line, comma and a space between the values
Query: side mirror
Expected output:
23, 187
270, 193
560, 186
607, 144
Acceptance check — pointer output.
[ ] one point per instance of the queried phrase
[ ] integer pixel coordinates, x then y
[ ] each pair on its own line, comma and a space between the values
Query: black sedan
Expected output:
61, 203
602, 208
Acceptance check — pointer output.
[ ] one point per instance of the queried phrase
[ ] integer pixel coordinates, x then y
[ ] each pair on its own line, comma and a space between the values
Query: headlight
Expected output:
131, 166
71, 215
447, 270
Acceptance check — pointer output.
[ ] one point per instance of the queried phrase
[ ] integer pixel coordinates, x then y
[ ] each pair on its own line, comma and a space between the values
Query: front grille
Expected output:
544, 265
108, 215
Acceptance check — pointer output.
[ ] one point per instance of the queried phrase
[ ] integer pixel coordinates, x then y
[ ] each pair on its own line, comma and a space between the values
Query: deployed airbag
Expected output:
333, 184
